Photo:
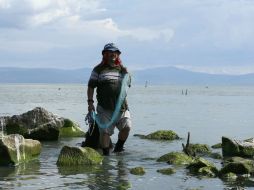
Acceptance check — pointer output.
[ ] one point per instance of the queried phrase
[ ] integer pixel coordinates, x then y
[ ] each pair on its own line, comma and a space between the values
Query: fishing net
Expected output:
123, 93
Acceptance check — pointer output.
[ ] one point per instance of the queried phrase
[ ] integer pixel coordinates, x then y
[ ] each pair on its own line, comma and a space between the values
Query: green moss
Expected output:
198, 163
137, 171
176, 158
200, 148
71, 129
229, 176
215, 155
167, 171
68, 123
236, 167
123, 186
78, 156
216, 146
247, 151
13, 153
163, 135
208, 172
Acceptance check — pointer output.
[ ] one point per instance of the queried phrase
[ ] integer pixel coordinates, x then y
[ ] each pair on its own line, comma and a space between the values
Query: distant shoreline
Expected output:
152, 76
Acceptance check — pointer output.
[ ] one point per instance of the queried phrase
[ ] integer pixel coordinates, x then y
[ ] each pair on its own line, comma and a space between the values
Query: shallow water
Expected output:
208, 113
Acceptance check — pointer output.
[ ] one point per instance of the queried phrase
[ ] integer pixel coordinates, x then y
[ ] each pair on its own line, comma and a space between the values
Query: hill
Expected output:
163, 75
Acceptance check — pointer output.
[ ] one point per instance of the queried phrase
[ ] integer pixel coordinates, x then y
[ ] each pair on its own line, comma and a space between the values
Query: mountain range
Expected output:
160, 75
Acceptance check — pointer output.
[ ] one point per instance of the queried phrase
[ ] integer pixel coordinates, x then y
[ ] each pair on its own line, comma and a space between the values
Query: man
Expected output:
107, 78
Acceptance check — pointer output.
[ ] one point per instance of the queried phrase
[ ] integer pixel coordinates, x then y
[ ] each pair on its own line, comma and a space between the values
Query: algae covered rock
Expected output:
199, 149
237, 168
137, 171
175, 158
71, 129
215, 155
123, 185
229, 176
72, 156
161, 135
231, 147
237, 165
217, 146
201, 166
39, 124
15, 149
167, 171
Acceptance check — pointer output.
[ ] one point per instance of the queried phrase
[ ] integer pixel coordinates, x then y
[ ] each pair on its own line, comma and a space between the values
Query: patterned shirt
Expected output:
107, 79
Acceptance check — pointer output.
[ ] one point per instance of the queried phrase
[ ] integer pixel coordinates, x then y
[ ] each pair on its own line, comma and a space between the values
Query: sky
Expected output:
213, 36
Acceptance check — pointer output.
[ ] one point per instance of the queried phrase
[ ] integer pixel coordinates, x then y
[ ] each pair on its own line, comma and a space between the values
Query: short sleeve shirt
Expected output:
107, 81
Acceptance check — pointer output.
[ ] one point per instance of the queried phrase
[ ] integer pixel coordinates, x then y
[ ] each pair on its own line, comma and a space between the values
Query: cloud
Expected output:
189, 32
4, 4
63, 24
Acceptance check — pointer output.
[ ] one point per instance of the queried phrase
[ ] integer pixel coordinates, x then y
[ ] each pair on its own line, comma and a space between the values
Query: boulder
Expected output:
73, 156
237, 165
137, 171
168, 135
199, 149
216, 146
40, 124
231, 147
15, 149
175, 158
203, 167
167, 171
123, 185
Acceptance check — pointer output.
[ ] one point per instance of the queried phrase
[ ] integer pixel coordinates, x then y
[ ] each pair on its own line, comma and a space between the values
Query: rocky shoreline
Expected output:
24, 134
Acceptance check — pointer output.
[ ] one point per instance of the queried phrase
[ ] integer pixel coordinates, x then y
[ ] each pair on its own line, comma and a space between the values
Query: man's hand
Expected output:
91, 107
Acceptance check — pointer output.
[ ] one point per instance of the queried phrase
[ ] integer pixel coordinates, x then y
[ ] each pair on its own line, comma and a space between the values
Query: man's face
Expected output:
110, 56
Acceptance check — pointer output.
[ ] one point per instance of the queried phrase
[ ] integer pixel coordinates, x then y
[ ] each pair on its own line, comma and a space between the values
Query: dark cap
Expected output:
111, 47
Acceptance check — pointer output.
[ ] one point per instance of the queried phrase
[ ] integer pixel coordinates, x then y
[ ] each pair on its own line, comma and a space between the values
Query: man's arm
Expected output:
90, 101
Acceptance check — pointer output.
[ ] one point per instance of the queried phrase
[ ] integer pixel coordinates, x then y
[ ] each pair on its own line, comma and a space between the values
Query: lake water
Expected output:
208, 113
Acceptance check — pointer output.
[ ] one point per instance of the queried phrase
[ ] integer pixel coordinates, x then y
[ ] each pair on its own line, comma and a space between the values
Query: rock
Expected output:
14, 149
160, 135
217, 146
232, 147
199, 149
71, 129
237, 165
72, 156
200, 166
215, 155
40, 124
140, 136
137, 171
229, 176
207, 171
123, 185
175, 158
167, 171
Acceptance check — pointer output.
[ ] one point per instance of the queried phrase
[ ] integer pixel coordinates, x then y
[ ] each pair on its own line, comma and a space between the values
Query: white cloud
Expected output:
4, 4
194, 32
